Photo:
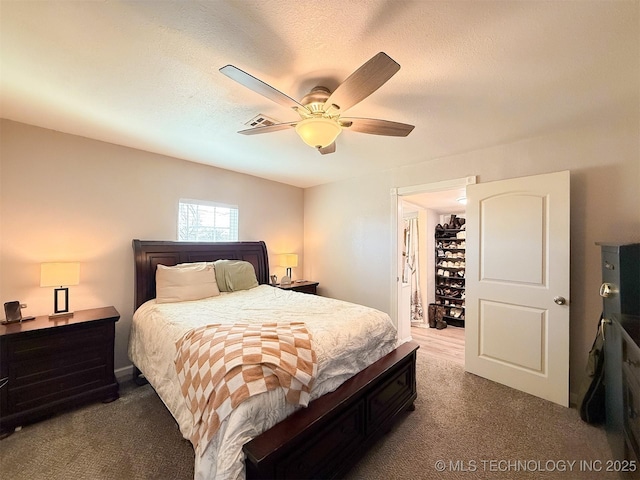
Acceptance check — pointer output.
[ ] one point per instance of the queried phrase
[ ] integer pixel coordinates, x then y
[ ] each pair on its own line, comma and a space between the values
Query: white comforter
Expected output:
347, 338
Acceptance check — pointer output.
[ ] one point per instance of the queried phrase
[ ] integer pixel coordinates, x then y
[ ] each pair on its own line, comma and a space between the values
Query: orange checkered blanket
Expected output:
219, 366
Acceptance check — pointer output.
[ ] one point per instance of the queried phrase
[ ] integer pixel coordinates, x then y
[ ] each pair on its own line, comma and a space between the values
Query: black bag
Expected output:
591, 404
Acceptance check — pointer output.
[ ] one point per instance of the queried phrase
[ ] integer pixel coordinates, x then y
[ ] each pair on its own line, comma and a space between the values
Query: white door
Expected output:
517, 278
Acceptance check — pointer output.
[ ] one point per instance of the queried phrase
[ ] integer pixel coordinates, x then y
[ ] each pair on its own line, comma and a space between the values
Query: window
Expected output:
201, 221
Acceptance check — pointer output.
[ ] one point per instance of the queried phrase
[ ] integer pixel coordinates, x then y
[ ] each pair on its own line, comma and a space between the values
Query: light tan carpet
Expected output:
467, 427
134, 437
479, 429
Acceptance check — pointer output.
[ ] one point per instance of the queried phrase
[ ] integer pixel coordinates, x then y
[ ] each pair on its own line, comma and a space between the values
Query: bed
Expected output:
356, 399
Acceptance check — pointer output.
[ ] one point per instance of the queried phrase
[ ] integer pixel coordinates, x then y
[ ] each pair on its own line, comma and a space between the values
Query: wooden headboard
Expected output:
148, 254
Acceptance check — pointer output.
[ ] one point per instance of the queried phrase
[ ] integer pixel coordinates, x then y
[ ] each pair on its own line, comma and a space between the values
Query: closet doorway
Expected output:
440, 266
516, 319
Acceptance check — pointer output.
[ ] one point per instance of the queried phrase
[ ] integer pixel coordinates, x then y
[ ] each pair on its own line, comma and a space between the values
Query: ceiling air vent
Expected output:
261, 121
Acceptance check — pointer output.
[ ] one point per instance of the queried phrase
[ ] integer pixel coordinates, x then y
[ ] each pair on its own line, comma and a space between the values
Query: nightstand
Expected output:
304, 287
47, 366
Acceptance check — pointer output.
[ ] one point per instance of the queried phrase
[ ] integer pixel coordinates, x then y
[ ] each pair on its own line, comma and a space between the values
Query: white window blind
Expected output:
202, 221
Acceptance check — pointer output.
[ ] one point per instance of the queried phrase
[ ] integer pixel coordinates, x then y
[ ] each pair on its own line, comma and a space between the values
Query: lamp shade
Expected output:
59, 274
288, 260
318, 132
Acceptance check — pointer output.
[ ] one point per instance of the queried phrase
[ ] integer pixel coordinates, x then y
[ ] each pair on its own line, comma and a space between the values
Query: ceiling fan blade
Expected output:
258, 86
331, 148
377, 127
268, 128
363, 82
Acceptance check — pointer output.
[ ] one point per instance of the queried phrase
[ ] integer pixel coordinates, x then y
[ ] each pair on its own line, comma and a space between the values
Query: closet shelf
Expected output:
450, 249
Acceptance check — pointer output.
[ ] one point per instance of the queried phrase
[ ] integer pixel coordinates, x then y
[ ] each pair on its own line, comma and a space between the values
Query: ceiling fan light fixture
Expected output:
318, 132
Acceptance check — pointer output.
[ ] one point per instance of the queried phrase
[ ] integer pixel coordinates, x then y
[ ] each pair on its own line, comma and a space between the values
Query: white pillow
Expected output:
186, 281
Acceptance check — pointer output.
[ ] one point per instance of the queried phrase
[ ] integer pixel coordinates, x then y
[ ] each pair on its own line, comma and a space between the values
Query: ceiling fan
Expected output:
321, 110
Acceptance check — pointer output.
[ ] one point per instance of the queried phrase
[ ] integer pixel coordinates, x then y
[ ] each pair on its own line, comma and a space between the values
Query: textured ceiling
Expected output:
144, 74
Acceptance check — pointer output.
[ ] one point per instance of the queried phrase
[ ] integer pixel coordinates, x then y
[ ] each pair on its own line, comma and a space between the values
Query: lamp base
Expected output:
61, 315
286, 280
23, 319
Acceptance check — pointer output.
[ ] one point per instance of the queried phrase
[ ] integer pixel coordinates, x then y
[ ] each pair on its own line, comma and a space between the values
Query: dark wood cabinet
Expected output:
304, 287
622, 375
631, 386
621, 313
47, 366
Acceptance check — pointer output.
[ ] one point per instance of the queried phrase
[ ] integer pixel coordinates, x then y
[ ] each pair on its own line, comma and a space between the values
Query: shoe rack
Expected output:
450, 269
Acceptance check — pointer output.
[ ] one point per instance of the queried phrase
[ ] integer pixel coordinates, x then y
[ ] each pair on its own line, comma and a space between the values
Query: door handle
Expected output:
560, 300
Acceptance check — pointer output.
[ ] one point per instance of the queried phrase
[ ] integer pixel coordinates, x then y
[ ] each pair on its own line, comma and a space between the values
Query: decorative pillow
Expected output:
186, 281
234, 275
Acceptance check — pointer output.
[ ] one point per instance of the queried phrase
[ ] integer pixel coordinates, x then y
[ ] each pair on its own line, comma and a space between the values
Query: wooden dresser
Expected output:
301, 286
621, 312
630, 340
50, 365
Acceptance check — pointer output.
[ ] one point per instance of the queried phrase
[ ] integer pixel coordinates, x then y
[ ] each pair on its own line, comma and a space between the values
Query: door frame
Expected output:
404, 328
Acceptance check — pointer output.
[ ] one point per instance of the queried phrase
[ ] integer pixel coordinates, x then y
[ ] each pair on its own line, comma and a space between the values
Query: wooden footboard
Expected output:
327, 438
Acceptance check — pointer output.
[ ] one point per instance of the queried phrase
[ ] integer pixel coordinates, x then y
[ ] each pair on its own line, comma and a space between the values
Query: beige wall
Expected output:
348, 228
64, 197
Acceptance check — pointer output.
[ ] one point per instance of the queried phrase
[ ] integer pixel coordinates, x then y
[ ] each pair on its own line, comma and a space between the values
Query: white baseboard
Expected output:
124, 373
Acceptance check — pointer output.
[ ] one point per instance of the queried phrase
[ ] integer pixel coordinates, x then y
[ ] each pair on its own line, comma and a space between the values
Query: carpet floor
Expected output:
464, 427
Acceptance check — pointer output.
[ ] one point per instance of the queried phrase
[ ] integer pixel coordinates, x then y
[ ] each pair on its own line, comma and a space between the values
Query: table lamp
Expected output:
60, 275
287, 260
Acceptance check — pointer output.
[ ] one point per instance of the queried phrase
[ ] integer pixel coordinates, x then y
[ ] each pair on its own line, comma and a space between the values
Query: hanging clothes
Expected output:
411, 271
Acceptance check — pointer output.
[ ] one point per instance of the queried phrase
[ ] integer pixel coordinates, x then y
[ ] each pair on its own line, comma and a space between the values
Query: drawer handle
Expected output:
4, 381
607, 290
